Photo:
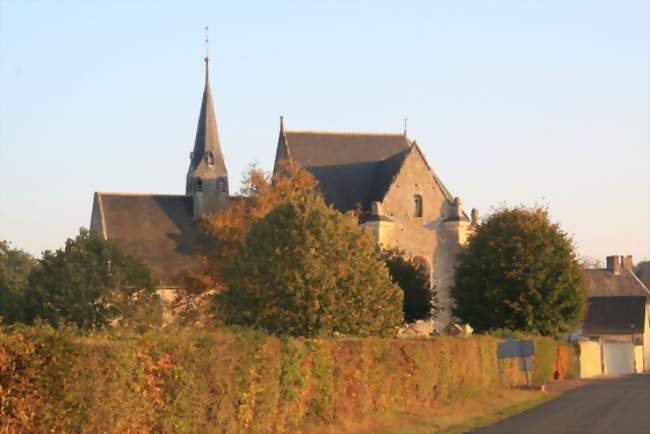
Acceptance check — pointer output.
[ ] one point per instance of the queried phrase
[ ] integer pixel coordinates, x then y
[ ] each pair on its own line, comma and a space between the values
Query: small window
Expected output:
418, 205
198, 184
210, 158
222, 185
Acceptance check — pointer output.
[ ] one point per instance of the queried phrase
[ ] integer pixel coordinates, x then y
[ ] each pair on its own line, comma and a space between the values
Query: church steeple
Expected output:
207, 177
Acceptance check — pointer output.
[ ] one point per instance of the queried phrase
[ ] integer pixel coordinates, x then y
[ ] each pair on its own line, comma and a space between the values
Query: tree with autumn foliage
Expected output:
519, 271
306, 269
226, 230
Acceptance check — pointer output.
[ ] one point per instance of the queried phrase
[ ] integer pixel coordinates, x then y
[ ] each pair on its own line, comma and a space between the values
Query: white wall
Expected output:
646, 337
589, 359
638, 358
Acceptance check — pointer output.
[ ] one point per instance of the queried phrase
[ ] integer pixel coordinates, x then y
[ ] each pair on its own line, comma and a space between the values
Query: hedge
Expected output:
231, 381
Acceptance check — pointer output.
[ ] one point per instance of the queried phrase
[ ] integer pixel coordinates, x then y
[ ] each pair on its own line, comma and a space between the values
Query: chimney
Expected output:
614, 264
627, 262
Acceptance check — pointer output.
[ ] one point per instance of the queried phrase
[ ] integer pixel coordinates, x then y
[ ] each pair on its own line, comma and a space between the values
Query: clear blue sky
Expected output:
512, 101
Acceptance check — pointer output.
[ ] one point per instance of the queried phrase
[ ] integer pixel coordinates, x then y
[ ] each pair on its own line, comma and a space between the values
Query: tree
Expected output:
590, 262
306, 269
90, 282
226, 230
420, 299
519, 271
15, 267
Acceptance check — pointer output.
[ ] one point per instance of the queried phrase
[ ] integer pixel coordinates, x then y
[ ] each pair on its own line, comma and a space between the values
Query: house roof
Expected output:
155, 228
615, 315
602, 282
643, 273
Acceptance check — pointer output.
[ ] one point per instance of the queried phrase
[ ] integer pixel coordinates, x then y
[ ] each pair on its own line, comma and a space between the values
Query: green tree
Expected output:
306, 269
519, 271
420, 299
90, 282
15, 267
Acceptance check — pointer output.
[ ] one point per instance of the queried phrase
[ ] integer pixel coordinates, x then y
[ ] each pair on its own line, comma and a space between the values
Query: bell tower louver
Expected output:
207, 177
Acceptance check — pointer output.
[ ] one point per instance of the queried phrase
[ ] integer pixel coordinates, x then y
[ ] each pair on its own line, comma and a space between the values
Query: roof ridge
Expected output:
138, 194
347, 133
639, 281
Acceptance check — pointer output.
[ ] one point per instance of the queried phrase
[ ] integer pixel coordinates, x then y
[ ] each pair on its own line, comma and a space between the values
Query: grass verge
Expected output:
455, 418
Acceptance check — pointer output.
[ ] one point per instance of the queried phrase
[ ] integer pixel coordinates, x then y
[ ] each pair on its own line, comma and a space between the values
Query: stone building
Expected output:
386, 177
402, 201
160, 229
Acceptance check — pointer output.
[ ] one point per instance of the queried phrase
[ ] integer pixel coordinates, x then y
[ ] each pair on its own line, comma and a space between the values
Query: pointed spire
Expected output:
207, 144
282, 151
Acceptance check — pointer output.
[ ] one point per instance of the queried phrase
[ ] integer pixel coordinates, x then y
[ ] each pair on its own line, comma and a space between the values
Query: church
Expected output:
402, 201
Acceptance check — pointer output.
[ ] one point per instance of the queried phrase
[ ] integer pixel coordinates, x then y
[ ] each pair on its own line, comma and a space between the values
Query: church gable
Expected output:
415, 191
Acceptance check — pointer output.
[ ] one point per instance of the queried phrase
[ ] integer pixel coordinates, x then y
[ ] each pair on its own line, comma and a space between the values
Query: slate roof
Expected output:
604, 283
317, 148
207, 133
615, 315
352, 169
155, 228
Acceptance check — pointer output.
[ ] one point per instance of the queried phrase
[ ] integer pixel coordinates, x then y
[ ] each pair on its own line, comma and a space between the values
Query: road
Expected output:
603, 406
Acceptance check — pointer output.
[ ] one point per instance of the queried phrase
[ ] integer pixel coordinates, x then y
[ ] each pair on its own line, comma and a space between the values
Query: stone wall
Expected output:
428, 237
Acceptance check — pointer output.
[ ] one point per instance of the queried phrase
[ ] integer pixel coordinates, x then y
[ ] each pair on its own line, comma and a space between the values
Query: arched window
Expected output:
198, 184
418, 205
222, 185
210, 158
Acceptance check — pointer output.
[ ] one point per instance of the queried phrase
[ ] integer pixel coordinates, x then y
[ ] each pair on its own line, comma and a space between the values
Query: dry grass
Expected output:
456, 418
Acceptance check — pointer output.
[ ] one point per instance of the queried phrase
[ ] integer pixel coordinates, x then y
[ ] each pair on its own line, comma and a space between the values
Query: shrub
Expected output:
184, 381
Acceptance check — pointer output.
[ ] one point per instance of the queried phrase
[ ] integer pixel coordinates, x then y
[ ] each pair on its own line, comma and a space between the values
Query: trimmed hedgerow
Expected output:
232, 381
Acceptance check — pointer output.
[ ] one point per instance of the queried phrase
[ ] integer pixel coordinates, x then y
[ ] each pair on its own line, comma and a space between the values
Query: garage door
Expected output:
618, 357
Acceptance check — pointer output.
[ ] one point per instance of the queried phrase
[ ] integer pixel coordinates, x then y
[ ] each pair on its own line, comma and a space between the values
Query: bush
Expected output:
184, 381
307, 270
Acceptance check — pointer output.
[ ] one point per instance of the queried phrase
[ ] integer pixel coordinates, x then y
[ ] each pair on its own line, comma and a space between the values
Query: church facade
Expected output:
386, 177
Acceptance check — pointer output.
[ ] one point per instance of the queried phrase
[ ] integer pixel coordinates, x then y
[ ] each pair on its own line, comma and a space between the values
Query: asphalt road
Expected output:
603, 406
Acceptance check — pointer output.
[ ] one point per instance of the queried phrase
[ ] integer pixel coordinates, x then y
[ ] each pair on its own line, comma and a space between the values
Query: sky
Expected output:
513, 102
